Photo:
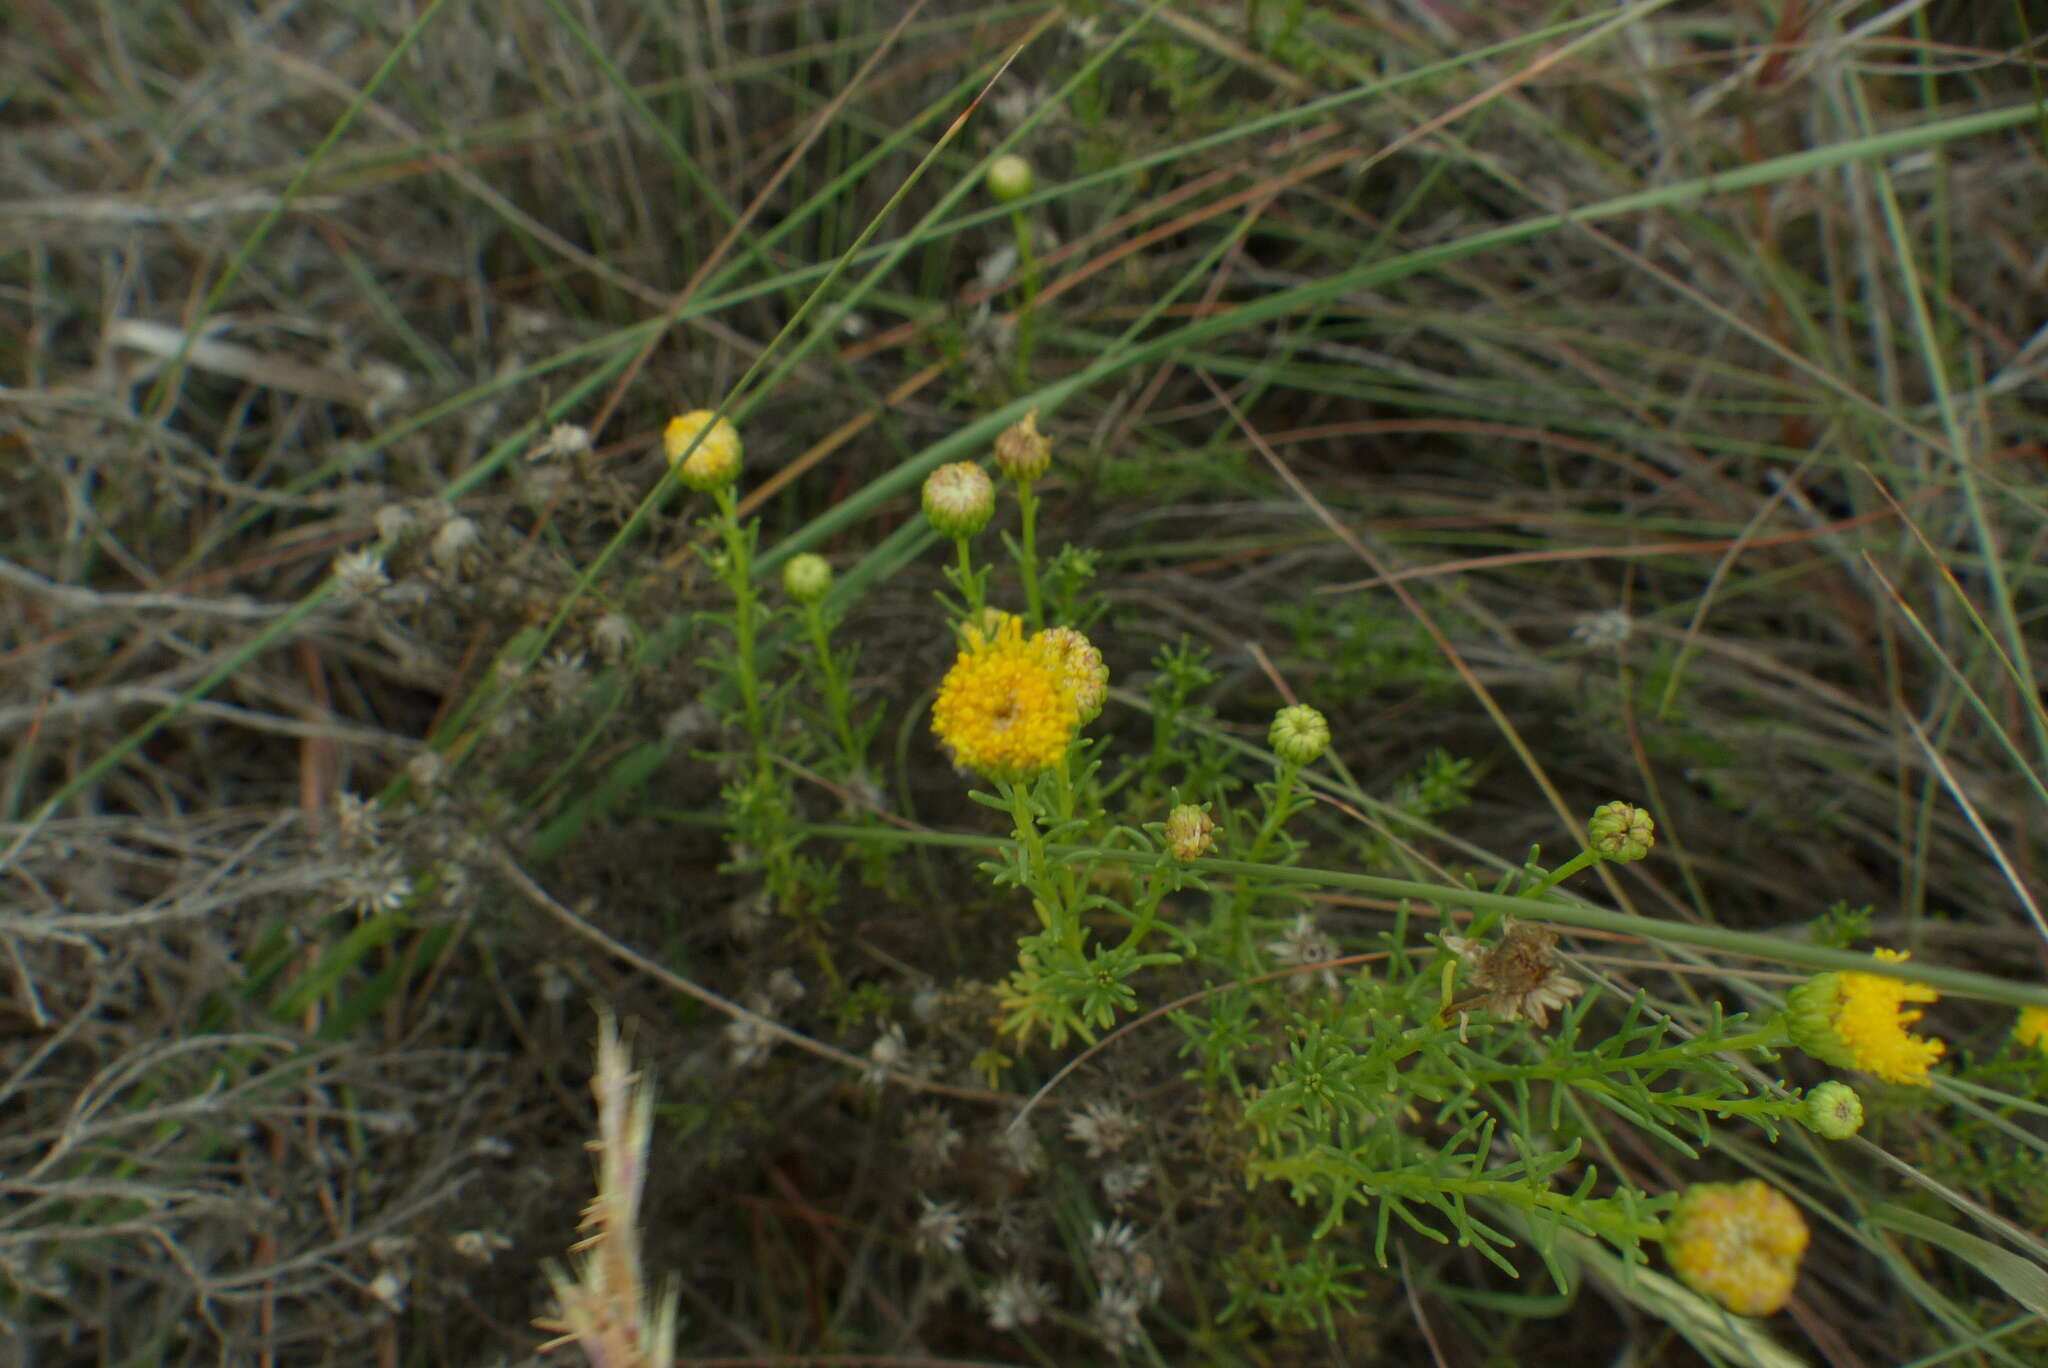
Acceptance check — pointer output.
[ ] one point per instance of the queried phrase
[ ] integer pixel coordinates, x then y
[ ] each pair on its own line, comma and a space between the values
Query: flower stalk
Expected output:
807, 578
735, 570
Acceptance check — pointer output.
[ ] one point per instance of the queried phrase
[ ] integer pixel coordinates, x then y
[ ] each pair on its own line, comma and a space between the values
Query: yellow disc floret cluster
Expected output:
1008, 706
1855, 1020
2032, 1028
1872, 1022
1739, 1243
707, 464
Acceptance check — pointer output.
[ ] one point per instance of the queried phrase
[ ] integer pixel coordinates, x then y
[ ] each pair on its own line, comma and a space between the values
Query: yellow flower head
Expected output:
1081, 665
1855, 1020
1739, 1243
2032, 1028
989, 625
1005, 706
712, 462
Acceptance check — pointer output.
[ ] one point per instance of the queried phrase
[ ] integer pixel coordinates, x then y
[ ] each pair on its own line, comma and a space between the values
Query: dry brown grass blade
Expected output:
824, 120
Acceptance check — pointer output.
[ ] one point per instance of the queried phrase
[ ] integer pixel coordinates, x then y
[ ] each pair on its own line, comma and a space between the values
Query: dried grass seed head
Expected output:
1123, 1181
1306, 947
1014, 1300
612, 637
359, 575
1103, 1127
1020, 1149
931, 1137
1116, 1319
749, 1039
941, 1228
889, 1054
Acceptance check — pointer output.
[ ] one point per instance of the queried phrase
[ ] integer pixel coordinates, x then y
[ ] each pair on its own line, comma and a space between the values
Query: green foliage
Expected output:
1433, 1100
1841, 925
1290, 1288
1362, 644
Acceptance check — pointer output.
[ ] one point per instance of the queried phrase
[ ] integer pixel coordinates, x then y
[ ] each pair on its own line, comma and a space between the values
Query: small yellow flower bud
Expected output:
1622, 832
807, 577
1299, 734
1023, 452
716, 460
2032, 1028
989, 625
1189, 832
1009, 178
959, 499
1739, 1243
1834, 1111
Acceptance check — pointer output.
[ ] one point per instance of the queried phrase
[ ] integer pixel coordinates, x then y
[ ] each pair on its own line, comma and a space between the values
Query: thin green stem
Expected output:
1070, 871
1584, 859
1558, 912
838, 699
1027, 554
1587, 1069
1236, 924
1594, 1214
1780, 1109
739, 578
1032, 861
970, 583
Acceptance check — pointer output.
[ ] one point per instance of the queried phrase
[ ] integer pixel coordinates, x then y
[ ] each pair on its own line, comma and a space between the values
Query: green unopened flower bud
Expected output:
1022, 452
959, 499
989, 625
1810, 1011
1010, 178
714, 462
1622, 832
807, 577
1189, 832
1299, 734
1834, 1111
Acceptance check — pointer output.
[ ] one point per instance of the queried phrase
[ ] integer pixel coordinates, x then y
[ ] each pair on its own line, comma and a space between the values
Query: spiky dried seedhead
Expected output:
605, 1310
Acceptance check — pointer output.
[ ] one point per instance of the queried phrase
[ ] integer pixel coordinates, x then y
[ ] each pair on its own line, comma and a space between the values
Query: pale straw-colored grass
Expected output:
604, 1306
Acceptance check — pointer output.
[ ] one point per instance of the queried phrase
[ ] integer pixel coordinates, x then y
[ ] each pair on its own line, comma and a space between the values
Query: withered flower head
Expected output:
1519, 977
